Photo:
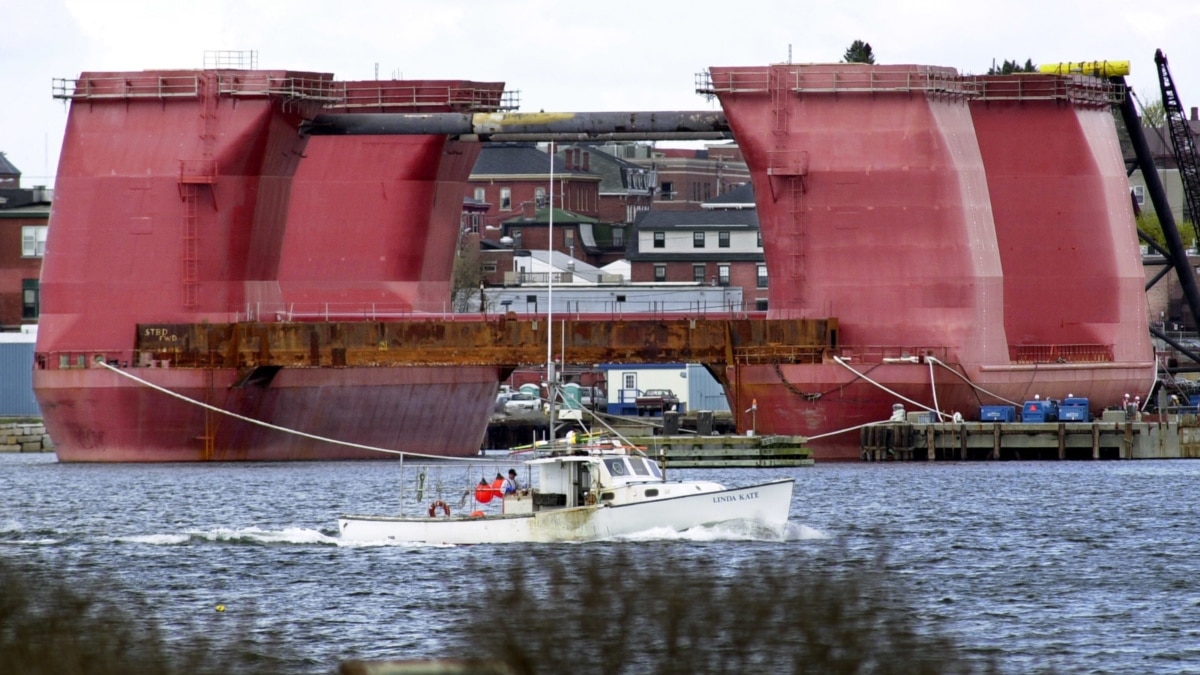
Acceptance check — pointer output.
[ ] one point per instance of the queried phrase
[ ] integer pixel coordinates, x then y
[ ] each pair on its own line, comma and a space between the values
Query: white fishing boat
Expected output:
585, 493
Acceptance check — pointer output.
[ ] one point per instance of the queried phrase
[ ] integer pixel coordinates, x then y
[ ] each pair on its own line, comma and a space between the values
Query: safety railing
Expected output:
456, 96
1076, 89
829, 79
129, 86
1072, 353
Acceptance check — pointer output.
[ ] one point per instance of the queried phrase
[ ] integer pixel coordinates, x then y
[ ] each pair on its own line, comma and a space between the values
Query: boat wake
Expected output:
736, 530
247, 535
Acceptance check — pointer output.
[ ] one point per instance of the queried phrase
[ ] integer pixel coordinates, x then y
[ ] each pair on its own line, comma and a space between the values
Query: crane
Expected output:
1183, 145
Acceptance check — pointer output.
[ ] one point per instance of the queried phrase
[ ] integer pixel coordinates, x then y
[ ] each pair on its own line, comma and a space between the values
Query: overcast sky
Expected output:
562, 55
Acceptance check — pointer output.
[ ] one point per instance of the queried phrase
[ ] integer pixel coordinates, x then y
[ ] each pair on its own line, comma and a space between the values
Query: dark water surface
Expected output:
1071, 566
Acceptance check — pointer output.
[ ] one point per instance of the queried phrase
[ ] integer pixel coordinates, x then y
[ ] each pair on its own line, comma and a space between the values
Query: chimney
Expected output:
1194, 119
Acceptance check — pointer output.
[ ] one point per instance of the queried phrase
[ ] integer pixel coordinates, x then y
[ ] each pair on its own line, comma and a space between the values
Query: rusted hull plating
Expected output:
95, 415
899, 200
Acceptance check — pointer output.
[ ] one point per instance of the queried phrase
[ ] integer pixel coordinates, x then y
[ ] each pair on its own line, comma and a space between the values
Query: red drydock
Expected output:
186, 197
946, 228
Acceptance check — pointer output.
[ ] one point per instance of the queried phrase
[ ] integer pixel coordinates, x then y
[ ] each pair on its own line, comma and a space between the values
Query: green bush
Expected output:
584, 611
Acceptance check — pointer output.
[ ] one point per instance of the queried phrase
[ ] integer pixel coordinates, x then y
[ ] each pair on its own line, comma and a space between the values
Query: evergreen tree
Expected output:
859, 52
1010, 67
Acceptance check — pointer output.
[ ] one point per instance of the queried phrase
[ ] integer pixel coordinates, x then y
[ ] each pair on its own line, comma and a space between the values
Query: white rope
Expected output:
285, 430
964, 378
839, 361
933, 386
842, 431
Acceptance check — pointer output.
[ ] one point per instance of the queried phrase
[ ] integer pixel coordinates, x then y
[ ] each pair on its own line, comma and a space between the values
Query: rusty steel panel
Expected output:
505, 342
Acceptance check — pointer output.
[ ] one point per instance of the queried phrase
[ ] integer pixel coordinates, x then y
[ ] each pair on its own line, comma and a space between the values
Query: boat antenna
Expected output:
551, 394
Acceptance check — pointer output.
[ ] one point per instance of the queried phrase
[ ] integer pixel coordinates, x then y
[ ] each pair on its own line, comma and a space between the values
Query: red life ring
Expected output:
436, 505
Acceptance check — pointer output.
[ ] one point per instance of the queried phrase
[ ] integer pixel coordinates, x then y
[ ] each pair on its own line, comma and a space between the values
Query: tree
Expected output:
1010, 67
859, 52
467, 281
1148, 224
1154, 115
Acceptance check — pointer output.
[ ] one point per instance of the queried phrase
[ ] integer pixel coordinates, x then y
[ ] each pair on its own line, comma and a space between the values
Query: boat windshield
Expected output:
632, 467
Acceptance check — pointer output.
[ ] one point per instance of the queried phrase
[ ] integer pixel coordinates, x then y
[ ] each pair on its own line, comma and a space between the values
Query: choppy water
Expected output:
1072, 566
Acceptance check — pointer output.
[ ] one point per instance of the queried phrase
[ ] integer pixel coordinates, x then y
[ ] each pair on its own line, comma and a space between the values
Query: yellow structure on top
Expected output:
1095, 68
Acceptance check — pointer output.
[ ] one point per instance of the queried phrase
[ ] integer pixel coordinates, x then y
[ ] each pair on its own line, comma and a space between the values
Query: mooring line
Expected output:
325, 439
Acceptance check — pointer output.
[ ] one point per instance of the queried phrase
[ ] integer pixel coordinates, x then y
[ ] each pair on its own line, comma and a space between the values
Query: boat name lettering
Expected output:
734, 498
162, 334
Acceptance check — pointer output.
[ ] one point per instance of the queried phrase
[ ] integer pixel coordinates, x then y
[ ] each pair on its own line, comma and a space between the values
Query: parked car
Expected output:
501, 399
656, 401
521, 402
593, 398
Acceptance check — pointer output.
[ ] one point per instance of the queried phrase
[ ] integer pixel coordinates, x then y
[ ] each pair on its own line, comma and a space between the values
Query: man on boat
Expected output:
512, 485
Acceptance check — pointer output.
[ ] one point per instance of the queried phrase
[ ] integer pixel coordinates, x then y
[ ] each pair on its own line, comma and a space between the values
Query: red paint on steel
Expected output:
874, 196
172, 206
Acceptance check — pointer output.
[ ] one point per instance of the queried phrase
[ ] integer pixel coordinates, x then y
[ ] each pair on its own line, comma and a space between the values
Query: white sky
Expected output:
562, 55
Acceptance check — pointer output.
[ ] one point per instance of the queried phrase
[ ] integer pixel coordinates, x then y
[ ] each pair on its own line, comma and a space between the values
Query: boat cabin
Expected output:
606, 477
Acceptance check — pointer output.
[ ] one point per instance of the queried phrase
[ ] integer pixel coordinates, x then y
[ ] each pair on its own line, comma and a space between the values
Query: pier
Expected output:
1168, 438
710, 452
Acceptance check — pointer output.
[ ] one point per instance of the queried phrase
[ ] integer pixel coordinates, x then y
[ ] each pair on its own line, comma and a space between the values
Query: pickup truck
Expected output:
656, 401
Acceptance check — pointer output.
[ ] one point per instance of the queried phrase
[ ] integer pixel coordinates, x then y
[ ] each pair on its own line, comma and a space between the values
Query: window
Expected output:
569, 238
762, 276
488, 268
660, 272
33, 241
630, 380
618, 236
760, 304
723, 274
723, 239
759, 242
668, 190
516, 235
698, 273
539, 196
29, 299
505, 199
660, 240
480, 194
1139, 194
697, 240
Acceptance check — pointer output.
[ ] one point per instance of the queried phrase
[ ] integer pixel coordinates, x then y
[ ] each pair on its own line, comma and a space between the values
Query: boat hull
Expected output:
96, 415
767, 505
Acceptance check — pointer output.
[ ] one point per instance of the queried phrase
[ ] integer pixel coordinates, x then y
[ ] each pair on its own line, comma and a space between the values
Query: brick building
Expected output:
514, 178
719, 245
24, 222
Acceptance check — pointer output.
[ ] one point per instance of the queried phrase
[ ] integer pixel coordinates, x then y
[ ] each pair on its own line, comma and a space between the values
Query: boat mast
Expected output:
550, 375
